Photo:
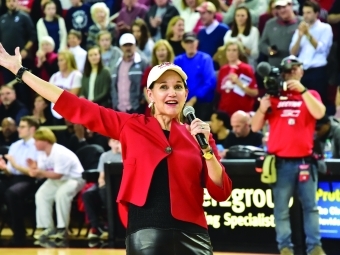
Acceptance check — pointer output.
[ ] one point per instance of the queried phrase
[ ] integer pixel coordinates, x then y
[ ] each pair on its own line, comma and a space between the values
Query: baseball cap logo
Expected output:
165, 64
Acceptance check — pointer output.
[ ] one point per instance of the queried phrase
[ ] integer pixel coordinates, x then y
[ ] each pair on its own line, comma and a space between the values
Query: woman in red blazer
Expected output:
164, 170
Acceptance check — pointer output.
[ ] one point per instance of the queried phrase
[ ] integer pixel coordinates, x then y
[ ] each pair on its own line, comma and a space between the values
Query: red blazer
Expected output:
144, 145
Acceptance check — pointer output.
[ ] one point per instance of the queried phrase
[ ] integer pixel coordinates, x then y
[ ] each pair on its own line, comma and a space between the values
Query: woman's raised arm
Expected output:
43, 88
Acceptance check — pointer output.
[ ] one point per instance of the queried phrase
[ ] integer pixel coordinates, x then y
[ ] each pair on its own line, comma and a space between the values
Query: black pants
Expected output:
93, 199
13, 190
167, 242
316, 79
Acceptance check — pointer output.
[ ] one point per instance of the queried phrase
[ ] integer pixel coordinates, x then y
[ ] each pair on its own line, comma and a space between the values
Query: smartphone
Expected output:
220, 147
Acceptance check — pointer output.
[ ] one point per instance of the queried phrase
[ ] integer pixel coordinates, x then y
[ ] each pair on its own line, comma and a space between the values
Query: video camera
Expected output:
274, 82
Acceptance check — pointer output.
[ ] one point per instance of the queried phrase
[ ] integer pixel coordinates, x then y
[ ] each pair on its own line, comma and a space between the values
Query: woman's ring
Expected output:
202, 127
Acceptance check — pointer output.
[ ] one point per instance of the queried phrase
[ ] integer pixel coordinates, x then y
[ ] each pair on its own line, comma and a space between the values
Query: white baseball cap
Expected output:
127, 39
158, 70
282, 2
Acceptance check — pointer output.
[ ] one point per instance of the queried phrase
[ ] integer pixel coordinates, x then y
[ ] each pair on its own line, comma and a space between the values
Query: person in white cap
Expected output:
165, 169
126, 92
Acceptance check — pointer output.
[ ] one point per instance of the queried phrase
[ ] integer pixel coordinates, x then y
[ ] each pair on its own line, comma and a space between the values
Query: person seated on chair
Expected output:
16, 183
63, 172
95, 196
242, 134
8, 133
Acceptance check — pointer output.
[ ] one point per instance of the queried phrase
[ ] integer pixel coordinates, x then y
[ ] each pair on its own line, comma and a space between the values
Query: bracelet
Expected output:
303, 92
20, 73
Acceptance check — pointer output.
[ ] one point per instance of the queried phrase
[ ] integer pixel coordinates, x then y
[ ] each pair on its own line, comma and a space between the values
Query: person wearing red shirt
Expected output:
236, 83
292, 119
162, 188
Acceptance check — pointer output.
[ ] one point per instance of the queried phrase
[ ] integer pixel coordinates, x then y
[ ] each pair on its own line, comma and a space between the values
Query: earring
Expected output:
151, 103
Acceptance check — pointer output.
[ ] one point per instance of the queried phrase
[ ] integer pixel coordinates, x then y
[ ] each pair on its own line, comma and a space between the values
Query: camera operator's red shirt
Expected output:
230, 101
291, 126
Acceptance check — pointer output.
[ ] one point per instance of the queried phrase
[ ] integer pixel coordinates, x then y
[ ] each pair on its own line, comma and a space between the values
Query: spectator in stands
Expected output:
218, 16
52, 25
220, 127
42, 111
271, 13
16, 26
131, 11
25, 5
109, 3
10, 105
63, 172
37, 10
161, 53
8, 133
311, 43
158, 17
278, 33
242, 133
101, 17
46, 61
244, 32
256, 8
17, 184
83, 136
211, 37
95, 197
236, 83
78, 18
334, 20
126, 80
187, 11
68, 77
74, 40
143, 40
109, 54
329, 128
202, 83
174, 34
96, 81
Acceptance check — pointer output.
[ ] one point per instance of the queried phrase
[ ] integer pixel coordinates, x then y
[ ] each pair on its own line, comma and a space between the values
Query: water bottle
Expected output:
328, 149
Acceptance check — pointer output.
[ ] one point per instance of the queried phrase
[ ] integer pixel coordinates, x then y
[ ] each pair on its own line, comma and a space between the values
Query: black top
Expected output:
156, 213
16, 110
254, 139
177, 47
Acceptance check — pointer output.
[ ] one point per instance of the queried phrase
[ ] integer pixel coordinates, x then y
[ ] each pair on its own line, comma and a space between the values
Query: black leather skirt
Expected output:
167, 242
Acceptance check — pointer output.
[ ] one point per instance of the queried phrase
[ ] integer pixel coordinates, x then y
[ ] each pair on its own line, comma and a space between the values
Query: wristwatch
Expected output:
208, 154
20, 73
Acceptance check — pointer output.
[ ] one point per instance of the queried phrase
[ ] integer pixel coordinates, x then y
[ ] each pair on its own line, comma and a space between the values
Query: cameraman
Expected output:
292, 118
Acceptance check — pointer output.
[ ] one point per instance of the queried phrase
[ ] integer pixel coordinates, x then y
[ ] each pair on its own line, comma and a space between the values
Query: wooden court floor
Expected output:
42, 251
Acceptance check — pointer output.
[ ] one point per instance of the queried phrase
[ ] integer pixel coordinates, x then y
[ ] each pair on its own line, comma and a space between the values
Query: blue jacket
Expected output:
201, 76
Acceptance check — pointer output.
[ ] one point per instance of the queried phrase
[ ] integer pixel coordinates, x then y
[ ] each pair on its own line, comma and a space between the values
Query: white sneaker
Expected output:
45, 233
59, 234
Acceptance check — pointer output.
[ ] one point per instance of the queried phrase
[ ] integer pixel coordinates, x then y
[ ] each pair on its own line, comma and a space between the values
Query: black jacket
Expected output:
170, 12
16, 110
16, 29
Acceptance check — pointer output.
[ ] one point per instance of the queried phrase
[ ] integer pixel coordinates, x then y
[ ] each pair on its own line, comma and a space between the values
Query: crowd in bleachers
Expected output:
104, 50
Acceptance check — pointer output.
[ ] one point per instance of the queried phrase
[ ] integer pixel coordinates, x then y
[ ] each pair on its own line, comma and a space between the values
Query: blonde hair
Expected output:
45, 134
169, 32
166, 44
241, 53
70, 60
184, 4
269, 10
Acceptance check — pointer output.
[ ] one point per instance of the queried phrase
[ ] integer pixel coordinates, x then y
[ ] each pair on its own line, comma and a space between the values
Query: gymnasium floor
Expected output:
75, 246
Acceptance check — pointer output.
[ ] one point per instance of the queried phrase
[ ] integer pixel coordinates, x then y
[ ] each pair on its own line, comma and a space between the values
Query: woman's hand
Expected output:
12, 63
198, 126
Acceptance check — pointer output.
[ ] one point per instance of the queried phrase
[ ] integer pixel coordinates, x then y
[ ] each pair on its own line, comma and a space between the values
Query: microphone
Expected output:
263, 69
189, 113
